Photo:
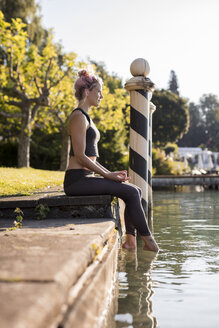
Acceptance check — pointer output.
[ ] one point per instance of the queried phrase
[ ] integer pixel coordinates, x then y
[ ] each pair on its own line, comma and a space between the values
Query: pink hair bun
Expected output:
85, 81
83, 73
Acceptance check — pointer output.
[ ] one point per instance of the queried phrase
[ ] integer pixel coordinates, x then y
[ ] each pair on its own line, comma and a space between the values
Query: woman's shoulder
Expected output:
76, 118
76, 111
76, 115
80, 111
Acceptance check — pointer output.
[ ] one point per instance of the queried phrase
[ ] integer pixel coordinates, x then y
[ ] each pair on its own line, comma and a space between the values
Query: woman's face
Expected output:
95, 95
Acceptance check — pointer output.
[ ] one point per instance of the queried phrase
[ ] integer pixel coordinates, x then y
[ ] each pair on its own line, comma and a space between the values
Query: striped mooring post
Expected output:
150, 195
140, 88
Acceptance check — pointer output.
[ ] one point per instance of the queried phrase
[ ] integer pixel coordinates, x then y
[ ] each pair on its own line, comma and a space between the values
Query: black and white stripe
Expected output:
139, 135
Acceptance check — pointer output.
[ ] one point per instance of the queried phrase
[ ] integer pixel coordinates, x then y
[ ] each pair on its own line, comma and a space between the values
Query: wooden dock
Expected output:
210, 181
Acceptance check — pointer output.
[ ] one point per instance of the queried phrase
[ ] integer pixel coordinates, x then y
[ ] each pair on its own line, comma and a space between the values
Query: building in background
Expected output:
200, 160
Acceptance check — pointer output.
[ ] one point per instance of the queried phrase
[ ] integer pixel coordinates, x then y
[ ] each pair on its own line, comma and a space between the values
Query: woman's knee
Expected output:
136, 187
136, 190
67, 191
133, 192
139, 190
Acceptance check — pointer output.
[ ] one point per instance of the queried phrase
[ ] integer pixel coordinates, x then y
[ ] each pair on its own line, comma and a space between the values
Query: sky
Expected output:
179, 35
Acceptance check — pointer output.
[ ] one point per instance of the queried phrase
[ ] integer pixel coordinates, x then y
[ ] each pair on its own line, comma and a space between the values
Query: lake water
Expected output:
180, 287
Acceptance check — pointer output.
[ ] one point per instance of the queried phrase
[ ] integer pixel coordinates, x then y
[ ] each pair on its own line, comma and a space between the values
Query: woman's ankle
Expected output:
130, 242
150, 244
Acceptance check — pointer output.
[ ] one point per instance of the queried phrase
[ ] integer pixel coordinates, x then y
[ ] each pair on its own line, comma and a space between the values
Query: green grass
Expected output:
26, 181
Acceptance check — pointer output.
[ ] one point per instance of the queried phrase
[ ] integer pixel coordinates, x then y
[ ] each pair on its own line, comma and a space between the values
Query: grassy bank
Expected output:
27, 181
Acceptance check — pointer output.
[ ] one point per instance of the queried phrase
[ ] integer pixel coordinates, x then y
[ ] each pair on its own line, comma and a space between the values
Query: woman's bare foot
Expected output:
150, 244
130, 242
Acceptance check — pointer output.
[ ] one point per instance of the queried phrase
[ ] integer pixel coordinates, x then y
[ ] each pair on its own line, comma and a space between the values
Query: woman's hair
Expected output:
85, 81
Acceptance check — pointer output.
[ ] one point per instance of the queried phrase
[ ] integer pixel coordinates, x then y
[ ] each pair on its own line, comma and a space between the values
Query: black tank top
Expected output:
92, 137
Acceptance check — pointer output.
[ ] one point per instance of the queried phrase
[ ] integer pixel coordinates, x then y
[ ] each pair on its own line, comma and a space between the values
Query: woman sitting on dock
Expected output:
79, 176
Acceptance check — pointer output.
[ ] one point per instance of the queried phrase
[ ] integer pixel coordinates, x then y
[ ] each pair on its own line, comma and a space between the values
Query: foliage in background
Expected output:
29, 12
37, 94
8, 153
111, 118
204, 123
45, 149
171, 118
196, 132
171, 149
27, 78
52, 120
111, 81
163, 165
173, 83
31, 62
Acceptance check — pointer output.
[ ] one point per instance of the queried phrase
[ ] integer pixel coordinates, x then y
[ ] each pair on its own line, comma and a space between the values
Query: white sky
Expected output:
170, 34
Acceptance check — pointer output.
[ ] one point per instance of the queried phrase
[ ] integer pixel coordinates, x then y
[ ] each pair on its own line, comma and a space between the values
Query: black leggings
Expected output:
79, 182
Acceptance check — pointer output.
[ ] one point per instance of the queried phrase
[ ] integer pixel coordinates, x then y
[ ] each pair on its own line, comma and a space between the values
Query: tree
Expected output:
196, 134
209, 106
173, 83
28, 12
171, 118
54, 119
204, 122
162, 165
207, 103
27, 77
111, 81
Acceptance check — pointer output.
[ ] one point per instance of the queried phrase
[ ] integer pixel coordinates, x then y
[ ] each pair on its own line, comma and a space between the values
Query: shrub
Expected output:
165, 166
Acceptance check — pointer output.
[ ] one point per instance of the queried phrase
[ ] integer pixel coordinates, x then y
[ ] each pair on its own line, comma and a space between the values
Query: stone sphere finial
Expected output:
140, 67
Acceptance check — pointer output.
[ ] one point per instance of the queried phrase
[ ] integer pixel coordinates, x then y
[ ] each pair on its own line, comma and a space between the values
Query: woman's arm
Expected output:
102, 167
123, 172
77, 129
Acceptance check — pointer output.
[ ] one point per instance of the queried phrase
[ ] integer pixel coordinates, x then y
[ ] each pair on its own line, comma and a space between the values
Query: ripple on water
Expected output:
179, 289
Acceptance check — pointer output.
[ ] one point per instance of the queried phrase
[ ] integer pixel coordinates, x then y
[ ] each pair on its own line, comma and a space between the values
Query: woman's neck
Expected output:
84, 106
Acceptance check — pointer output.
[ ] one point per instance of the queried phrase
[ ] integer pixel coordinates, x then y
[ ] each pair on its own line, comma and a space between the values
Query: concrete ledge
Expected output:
41, 265
88, 310
59, 199
29, 304
60, 206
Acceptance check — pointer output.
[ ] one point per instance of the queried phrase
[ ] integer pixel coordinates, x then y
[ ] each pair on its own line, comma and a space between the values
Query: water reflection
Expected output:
135, 289
179, 288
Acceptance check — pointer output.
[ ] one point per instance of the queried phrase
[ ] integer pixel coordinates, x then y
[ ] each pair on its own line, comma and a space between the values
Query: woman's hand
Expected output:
120, 176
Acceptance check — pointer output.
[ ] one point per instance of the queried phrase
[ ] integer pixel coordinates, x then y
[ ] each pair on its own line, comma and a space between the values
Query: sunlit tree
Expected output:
27, 78
29, 12
54, 119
